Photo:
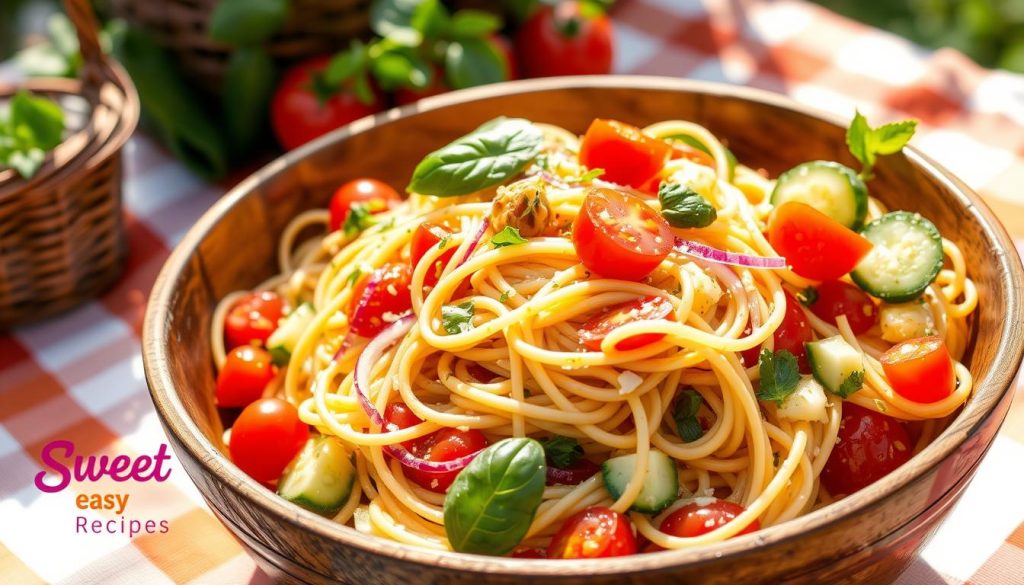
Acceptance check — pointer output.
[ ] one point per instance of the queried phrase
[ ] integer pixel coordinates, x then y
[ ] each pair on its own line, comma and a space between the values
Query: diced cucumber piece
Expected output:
320, 477
833, 361
660, 486
906, 258
808, 402
827, 186
283, 340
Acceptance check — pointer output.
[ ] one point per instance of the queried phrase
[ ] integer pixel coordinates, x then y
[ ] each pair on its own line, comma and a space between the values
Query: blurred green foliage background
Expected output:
989, 31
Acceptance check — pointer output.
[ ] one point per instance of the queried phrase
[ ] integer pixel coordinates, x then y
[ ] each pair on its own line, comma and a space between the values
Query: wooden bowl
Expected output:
866, 538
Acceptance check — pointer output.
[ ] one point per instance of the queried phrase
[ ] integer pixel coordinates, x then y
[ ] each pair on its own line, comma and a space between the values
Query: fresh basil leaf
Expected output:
457, 318
171, 107
390, 16
345, 65
401, 68
682, 207
247, 22
779, 375
808, 296
26, 162
43, 118
852, 383
430, 19
491, 154
491, 504
508, 237
562, 451
248, 85
472, 62
866, 143
687, 424
473, 24
361, 87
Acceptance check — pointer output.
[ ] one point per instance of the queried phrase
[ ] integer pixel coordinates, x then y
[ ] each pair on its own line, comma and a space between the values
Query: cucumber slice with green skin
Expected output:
283, 340
832, 361
661, 484
827, 186
905, 260
321, 476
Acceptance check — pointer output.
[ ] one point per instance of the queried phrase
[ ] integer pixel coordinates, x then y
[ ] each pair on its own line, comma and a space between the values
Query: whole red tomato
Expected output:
299, 115
566, 39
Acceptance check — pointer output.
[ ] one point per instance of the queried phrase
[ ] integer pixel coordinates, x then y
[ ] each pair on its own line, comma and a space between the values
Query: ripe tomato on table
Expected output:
617, 235
569, 38
253, 318
298, 114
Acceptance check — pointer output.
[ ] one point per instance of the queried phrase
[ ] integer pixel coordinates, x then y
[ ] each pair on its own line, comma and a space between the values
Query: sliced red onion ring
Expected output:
706, 252
371, 355
479, 235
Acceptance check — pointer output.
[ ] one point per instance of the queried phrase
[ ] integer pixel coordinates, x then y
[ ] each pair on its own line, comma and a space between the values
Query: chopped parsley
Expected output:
851, 384
353, 277
779, 375
508, 237
457, 318
506, 295
687, 425
808, 296
562, 451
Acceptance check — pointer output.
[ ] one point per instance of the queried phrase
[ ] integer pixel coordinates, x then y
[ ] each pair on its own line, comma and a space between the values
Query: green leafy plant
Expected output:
32, 127
562, 451
779, 375
867, 143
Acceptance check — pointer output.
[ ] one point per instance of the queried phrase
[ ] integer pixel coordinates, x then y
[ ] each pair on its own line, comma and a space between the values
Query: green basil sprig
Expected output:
683, 207
491, 503
246, 22
487, 156
33, 126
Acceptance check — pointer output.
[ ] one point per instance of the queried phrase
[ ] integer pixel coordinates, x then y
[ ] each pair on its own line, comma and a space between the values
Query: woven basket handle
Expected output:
93, 68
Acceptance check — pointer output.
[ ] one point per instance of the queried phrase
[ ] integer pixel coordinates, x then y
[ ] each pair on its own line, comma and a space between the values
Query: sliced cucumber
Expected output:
320, 477
283, 340
661, 483
906, 258
808, 402
833, 361
827, 186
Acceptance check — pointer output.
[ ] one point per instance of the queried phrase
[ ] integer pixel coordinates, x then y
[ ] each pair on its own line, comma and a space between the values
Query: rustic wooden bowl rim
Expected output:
990, 389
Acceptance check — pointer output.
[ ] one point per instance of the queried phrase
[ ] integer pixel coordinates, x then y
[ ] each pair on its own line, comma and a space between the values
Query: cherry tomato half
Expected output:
815, 245
627, 155
426, 236
299, 115
791, 335
920, 369
398, 416
252, 319
617, 235
266, 437
836, 297
565, 40
376, 195
870, 445
593, 533
247, 371
593, 332
695, 520
444, 445
389, 299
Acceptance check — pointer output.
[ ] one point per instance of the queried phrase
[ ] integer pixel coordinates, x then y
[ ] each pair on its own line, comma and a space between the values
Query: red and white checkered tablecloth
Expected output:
79, 377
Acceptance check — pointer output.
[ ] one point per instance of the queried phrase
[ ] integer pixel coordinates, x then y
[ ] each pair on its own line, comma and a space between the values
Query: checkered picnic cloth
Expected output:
79, 377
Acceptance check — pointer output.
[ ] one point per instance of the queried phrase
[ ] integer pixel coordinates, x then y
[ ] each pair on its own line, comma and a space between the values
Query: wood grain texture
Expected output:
866, 538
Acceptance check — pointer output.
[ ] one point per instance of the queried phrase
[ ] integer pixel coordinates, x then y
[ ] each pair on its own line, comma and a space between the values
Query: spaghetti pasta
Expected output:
510, 362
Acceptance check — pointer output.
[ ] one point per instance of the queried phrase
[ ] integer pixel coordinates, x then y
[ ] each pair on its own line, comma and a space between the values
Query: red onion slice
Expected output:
479, 235
371, 354
706, 252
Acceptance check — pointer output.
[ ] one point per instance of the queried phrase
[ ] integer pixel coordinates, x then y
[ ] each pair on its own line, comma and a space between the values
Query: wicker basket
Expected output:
61, 234
313, 27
